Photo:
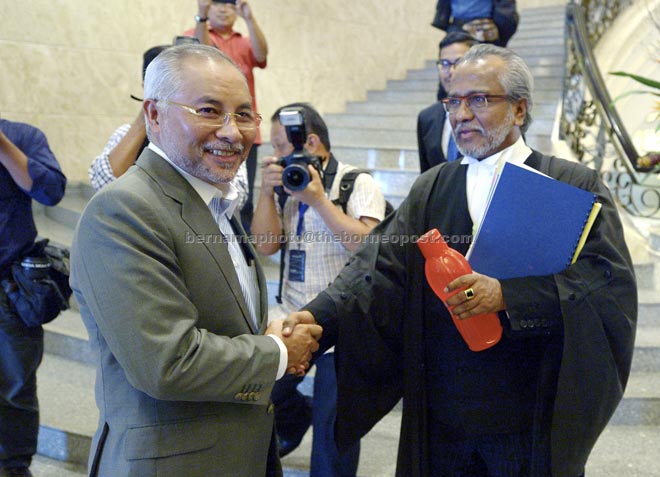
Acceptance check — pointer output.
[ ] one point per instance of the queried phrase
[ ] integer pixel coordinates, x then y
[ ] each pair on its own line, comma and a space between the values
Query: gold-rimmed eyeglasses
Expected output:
211, 117
474, 102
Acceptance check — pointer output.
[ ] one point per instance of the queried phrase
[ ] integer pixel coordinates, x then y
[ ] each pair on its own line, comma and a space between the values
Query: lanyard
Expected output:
302, 208
328, 179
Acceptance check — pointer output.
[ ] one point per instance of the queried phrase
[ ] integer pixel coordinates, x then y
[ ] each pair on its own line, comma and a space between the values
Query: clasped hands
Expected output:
300, 334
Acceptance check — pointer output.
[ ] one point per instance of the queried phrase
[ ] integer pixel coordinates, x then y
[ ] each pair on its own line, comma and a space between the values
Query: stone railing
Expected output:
589, 125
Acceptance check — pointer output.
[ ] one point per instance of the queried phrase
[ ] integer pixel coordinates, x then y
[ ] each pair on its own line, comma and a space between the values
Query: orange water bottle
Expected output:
443, 265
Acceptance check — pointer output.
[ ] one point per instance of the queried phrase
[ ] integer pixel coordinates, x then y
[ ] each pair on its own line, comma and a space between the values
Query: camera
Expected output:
185, 40
296, 175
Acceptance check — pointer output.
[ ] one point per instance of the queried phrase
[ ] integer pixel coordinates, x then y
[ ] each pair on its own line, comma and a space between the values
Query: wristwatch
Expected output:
199, 19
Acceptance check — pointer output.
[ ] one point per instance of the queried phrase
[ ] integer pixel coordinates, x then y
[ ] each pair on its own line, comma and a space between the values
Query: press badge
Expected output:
296, 265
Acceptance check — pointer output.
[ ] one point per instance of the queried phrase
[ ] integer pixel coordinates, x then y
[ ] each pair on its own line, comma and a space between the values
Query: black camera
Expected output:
185, 40
296, 175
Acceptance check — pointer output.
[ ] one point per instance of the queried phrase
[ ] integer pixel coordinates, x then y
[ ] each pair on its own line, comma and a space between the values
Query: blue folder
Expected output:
532, 225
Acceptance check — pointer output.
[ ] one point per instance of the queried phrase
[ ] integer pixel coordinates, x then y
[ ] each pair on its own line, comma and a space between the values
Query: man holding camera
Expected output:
214, 26
487, 21
318, 237
28, 170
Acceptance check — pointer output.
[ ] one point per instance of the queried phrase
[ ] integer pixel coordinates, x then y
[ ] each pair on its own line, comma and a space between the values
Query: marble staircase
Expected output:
378, 134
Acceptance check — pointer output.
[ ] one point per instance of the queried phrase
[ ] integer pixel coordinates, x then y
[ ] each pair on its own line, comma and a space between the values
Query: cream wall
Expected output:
632, 45
69, 66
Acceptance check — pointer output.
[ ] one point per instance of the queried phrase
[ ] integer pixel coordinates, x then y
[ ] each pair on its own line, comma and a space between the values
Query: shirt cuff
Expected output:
284, 356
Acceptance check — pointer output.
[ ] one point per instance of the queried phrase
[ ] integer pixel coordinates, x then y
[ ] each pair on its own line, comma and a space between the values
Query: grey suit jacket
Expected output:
183, 381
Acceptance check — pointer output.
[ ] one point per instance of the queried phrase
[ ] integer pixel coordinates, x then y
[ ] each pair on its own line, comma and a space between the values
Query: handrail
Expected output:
575, 16
589, 124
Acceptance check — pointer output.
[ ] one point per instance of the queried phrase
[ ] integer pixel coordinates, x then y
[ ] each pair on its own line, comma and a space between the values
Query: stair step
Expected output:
67, 337
541, 108
649, 308
68, 411
425, 98
368, 121
43, 466
538, 71
378, 157
431, 84
630, 451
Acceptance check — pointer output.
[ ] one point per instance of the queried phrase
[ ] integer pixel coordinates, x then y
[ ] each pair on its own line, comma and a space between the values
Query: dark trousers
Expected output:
497, 455
21, 350
494, 455
292, 419
248, 209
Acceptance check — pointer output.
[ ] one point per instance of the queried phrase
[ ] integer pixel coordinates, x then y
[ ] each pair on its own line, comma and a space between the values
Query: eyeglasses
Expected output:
474, 102
210, 117
446, 64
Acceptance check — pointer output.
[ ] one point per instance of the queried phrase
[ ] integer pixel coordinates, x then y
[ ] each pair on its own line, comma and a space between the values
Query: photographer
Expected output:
214, 26
28, 170
318, 238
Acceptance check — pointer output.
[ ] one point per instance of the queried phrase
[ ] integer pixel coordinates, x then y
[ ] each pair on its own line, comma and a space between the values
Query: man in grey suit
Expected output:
172, 295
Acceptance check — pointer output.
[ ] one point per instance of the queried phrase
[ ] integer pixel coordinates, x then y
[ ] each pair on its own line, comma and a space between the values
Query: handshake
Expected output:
300, 334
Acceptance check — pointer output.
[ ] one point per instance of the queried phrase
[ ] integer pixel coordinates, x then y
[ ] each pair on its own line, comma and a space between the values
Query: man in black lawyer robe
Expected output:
535, 403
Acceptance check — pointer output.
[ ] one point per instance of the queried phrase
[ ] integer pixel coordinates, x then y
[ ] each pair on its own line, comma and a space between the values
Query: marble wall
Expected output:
69, 66
639, 24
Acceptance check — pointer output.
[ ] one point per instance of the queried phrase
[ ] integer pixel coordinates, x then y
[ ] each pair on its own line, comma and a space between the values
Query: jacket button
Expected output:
367, 278
343, 296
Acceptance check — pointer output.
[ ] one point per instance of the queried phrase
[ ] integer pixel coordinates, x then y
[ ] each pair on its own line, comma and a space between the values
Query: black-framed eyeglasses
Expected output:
446, 64
474, 102
209, 116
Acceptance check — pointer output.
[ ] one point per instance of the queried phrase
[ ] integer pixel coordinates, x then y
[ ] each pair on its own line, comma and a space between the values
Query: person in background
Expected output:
214, 25
28, 171
129, 140
435, 142
489, 21
534, 404
310, 264
171, 292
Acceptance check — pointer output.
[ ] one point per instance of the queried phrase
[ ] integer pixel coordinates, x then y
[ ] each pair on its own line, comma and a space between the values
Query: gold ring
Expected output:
469, 294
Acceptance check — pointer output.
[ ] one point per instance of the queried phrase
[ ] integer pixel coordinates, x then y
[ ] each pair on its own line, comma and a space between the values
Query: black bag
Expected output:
39, 288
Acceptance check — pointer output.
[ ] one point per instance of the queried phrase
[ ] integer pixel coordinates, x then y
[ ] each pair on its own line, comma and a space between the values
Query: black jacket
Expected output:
430, 127
504, 15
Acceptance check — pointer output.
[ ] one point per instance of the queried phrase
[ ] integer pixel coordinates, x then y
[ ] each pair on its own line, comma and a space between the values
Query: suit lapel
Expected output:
196, 214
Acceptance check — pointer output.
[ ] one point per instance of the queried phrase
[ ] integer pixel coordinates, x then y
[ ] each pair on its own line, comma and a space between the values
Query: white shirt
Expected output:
480, 176
246, 274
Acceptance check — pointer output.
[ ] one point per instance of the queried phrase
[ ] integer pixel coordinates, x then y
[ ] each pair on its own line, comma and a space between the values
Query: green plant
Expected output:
645, 81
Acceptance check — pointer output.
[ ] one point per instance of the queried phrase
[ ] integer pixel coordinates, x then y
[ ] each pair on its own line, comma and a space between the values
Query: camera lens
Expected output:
295, 177
36, 267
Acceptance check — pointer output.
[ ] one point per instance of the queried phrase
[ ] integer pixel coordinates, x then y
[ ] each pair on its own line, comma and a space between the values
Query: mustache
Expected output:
467, 127
237, 148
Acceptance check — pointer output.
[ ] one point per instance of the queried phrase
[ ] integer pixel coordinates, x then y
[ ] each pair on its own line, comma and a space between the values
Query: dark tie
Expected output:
452, 150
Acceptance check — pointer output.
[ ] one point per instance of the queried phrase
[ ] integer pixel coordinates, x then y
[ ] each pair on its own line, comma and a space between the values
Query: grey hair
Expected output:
163, 78
517, 79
